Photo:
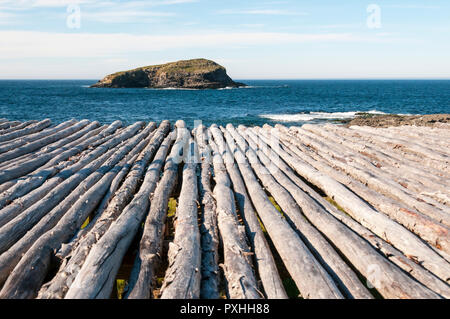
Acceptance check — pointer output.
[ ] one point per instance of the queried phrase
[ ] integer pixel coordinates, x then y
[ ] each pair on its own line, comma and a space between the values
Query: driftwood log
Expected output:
97, 275
288, 195
239, 274
209, 287
263, 258
374, 267
183, 276
379, 223
76, 251
27, 276
26, 131
311, 279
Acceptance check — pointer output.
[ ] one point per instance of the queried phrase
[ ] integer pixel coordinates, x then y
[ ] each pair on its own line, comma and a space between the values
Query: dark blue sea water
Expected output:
290, 102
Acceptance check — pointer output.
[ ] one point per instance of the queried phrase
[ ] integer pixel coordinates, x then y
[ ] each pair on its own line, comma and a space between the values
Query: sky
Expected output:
264, 39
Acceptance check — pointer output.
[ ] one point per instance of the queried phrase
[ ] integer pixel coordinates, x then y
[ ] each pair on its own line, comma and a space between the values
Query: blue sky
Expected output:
285, 39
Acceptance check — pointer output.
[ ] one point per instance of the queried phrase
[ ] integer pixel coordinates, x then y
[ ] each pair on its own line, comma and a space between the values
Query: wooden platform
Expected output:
165, 211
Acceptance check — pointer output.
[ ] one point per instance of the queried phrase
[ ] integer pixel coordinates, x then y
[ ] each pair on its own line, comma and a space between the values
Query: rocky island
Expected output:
186, 74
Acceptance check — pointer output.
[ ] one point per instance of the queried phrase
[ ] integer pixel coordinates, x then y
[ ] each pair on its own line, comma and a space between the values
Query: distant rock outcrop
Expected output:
187, 74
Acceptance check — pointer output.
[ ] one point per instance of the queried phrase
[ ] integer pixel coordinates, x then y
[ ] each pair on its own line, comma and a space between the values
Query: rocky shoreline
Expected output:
388, 120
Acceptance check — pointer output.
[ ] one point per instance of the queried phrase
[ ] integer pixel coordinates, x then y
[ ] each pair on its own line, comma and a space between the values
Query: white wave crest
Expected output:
311, 116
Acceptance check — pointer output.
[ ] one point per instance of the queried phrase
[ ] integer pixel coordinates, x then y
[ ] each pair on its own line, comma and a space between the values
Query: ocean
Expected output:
291, 102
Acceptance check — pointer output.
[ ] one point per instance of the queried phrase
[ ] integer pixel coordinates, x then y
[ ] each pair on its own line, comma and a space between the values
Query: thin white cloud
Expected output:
125, 16
94, 10
30, 4
262, 12
411, 6
31, 44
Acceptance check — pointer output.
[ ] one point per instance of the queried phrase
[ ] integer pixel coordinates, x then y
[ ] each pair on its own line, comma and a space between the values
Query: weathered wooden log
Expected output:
17, 227
120, 196
9, 259
24, 185
395, 256
96, 277
27, 277
237, 266
6, 192
263, 258
376, 180
310, 278
362, 256
399, 188
17, 142
409, 183
379, 223
428, 229
414, 132
33, 186
21, 169
401, 150
409, 145
26, 131
183, 276
90, 140
393, 152
37, 144
287, 195
57, 146
17, 127
142, 278
387, 163
209, 288
75, 252
362, 139
9, 124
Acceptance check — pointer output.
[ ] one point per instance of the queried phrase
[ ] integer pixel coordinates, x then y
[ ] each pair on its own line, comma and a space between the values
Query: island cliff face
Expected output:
187, 74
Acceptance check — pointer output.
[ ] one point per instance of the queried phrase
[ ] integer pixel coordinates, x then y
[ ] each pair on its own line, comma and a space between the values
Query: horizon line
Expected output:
245, 79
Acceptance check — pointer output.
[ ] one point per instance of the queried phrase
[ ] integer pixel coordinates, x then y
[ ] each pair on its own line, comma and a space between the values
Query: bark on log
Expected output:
287, 194
379, 223
26, 131
263, 258
182, 278
96, 277
240, 278
310, 277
